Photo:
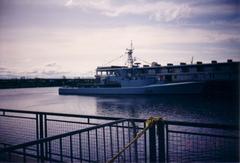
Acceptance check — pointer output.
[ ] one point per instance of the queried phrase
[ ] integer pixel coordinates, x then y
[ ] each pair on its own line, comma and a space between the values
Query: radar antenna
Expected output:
130, 57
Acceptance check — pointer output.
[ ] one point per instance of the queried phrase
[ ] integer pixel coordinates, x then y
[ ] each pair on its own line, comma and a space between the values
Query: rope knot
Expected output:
152, 120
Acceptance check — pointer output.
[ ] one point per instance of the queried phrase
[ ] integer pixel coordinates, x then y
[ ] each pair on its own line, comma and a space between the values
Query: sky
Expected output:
56, 38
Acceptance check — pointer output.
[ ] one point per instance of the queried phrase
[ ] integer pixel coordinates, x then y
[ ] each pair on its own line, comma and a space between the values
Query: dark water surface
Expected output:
170, 107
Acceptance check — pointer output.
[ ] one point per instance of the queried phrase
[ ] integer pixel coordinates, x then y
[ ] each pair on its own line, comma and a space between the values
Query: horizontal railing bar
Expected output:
68, 156
61, 114
130, 127
27, 149
85, 123
60, 136
203, 125
5, 144
203, 134
177, 123
56, 120
30, 155
13, 116
18, 111
34, 150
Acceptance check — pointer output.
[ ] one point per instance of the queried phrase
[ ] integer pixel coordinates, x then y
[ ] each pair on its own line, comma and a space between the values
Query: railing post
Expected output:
45, 134
37, 135
135, 144
152, 143
161, 141
41, 136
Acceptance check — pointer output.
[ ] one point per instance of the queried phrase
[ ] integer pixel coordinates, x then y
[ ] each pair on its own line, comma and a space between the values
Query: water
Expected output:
170, 107
185, 147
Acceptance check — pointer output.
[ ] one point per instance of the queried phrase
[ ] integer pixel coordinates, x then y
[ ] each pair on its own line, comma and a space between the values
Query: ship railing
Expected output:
41, 136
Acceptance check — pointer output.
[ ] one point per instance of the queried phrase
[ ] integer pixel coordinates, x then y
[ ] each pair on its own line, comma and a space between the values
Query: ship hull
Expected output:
171, 88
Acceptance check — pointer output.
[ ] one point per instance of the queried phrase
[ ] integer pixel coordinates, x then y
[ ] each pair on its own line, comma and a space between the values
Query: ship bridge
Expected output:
109, 70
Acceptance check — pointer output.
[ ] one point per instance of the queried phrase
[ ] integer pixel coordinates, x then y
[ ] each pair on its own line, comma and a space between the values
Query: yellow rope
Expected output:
149, 123
152, 120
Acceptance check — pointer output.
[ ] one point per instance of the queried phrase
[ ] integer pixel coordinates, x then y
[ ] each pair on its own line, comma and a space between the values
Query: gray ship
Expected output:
194, 78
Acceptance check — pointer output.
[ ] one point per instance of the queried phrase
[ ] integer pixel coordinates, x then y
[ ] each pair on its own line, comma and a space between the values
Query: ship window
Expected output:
217, 68
168, 78
199, 69
104, 73
195, 76
185, 69
170, 70
151, 72
162, 77
117, 74
143, 71
158, 71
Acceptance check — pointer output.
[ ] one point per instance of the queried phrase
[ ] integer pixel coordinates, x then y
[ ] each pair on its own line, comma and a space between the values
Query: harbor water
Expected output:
188, 108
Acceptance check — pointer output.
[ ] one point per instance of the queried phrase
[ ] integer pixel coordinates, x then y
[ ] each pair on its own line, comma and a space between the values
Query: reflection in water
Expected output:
169, 107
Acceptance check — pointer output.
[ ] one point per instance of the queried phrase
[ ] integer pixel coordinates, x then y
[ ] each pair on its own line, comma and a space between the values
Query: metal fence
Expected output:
191, 142
41, 136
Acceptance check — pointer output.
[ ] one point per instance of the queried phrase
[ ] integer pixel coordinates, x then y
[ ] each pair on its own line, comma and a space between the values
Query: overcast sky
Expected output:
52, 38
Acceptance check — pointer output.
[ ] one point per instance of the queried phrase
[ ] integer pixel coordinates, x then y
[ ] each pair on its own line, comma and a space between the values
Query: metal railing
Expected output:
41, 136
56, 134
189, 142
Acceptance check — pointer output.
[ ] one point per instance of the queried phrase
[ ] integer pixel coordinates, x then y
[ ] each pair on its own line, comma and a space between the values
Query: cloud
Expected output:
172, 13
51, 70
52, 73
57, 39
163, 11
42, 73
69, 3
51, 65
2, 69
215, 11
160, 10
66, 51
7, 73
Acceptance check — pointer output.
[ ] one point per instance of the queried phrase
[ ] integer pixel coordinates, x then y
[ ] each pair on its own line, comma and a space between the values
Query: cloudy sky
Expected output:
52, 38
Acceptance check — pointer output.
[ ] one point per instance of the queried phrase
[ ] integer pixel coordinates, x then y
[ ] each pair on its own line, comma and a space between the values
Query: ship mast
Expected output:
130, 58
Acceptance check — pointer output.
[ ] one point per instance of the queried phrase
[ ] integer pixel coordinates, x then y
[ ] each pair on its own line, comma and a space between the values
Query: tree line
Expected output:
41, 82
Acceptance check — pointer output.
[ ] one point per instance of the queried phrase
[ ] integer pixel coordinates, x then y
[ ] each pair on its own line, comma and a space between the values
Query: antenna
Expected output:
130, 58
